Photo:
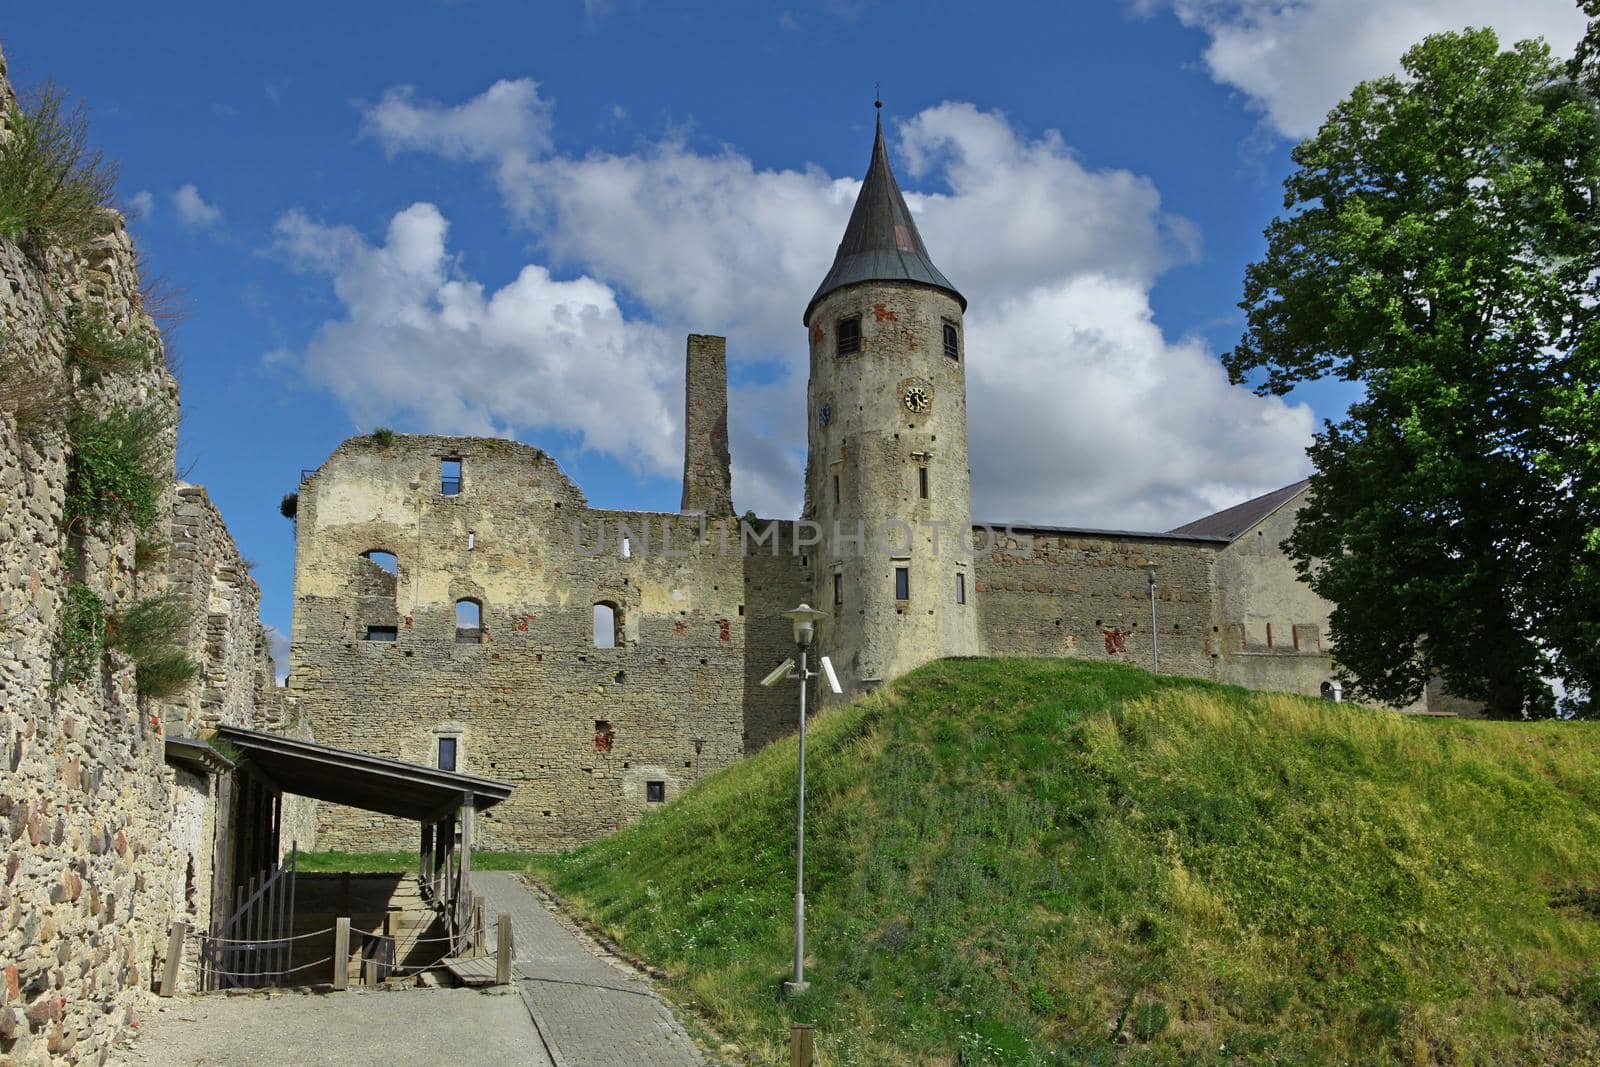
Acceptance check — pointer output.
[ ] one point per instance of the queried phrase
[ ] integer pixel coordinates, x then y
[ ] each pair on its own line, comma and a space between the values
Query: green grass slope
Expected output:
1007, 857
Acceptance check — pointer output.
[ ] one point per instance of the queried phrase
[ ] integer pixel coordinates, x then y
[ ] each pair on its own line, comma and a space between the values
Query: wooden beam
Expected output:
169, 976
502, 952
464, 904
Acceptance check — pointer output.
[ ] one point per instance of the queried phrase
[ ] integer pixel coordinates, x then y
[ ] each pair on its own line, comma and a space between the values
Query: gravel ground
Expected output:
397, 1028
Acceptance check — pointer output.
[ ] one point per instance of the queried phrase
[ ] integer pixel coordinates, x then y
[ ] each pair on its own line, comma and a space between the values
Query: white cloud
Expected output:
278, 649
1082, 411
192, 209
1295, 59
421, 345
142, 204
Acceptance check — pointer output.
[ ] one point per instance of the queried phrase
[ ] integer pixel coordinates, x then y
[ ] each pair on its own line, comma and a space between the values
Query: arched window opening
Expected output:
607, 625
469, 622
384, 559
952, 341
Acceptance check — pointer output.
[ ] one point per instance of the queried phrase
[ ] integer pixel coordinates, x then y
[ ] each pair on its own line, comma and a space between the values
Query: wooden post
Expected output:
802, 1044
169, 977
370, 969
502, 951
425, 857
465, 903
480, 937
341, 953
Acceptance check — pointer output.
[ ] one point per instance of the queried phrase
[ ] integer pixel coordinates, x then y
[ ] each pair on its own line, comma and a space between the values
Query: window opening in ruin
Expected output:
952, 341
607, 626
469, 622
383, 559
383, 633
627, 548
902, 583
961, 590
838, 590
472, 540
1269, 635
836, 489
655, 792
922, 482
447, 754
849, 336
604, 735
449, 477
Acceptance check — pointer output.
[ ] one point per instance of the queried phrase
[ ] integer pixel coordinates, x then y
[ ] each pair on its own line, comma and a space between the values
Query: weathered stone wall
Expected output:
1085, 594
581, 730
104, 844
707, 473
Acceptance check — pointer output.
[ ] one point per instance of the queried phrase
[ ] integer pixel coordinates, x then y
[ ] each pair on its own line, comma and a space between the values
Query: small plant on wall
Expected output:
151, 632
80, 636
54, 188
114, 476
96, 347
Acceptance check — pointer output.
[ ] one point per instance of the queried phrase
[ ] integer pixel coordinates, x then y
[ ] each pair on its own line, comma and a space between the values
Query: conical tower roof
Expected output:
881, 243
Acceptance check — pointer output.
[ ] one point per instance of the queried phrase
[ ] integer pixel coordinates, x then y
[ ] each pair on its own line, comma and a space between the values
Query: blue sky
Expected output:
475, 217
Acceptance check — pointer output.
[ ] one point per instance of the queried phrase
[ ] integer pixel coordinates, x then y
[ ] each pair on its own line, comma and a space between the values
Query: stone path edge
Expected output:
600, 942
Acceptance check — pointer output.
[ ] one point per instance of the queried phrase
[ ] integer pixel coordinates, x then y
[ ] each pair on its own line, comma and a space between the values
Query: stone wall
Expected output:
104, 843
379, 663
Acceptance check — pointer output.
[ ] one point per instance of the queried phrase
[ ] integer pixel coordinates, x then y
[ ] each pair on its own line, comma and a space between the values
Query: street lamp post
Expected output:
1155, 640
699, 743
804, 619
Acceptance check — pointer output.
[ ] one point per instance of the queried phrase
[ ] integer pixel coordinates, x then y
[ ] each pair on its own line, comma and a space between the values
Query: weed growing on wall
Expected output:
80, 636
151, 632
97, 348
54, 189
38, 402
383, 436
115, 472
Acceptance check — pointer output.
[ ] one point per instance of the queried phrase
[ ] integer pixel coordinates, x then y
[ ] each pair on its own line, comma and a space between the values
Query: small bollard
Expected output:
802, 1044
169, 976
502, 951
341, 953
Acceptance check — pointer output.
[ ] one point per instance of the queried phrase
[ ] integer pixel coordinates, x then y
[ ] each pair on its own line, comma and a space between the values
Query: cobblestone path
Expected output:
590, 1013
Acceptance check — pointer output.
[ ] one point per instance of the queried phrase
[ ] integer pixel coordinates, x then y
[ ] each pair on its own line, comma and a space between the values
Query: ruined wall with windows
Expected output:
390, 543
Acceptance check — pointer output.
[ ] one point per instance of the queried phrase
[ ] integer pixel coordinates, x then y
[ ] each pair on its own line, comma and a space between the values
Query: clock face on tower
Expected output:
916, 396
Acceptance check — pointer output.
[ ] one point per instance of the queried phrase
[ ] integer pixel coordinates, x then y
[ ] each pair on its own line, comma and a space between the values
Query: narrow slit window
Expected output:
922, 482
961, 588
469, 622
447, 754
952, 341
607, 626
848, 336
655, 792
836, 489
902, 583
472, 540
838, 590
383, 633
449, 477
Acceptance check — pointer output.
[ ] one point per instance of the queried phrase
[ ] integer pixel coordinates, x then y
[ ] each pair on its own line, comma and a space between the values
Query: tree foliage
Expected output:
1440, 246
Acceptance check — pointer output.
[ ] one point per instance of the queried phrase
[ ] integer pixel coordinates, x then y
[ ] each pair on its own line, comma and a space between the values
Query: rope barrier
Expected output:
271, 974
265, 940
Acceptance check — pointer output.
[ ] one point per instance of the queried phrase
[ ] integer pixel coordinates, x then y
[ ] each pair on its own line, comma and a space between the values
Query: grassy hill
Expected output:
1006, 857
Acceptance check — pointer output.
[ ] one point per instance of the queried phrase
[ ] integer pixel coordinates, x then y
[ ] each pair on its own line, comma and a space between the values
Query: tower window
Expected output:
952, 341
961, 588
449, 477
383, 633
922, 482
838, 590
469, 622
607, 626
447, 754
902, 583
848, 336
836, 489
655, 792
385, 560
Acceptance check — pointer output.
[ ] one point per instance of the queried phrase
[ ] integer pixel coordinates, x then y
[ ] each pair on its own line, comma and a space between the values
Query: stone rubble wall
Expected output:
103, 843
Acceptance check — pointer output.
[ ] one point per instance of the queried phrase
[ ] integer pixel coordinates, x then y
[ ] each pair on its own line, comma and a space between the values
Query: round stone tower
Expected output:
886, 475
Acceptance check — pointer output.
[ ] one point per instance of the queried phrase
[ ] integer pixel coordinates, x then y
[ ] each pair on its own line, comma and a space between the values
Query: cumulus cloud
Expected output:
192, 209
1082, 410
278, 649
142, 204
1295, 59
423, 345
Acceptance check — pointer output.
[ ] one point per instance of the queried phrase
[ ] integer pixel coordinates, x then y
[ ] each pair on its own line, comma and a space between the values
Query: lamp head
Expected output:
804, 619
1150, 570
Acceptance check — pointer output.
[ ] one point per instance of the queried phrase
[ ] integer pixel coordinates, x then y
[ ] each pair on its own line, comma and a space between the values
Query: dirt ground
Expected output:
398, 1028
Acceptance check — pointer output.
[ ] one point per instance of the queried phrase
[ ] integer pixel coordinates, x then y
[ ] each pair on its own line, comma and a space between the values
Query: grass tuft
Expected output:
54, 189
151, 632
115, 475
1027, 861
80, 636
96, 347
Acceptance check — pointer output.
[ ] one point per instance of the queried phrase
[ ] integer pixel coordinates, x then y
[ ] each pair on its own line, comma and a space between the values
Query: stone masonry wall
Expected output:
103, 843
581, 730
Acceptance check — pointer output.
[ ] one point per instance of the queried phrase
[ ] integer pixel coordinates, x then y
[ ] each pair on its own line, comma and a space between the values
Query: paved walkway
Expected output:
589, 1012
397, 1028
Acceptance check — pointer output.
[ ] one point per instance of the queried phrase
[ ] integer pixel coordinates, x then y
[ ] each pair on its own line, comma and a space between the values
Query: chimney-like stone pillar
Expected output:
707, 480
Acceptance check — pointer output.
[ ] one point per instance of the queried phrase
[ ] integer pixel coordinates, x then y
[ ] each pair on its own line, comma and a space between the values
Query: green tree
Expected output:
1440, 246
